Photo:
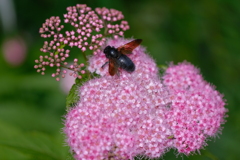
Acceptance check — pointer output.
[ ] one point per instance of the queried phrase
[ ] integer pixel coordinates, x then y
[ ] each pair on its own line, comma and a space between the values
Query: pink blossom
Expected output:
134, 114
14, 51
121, 116
197, 109
67, 82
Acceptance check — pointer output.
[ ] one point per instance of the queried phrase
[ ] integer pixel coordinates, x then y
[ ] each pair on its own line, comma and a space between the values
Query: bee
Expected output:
118, 57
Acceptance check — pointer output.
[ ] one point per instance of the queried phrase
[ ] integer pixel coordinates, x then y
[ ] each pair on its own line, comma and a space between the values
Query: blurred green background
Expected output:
32, 106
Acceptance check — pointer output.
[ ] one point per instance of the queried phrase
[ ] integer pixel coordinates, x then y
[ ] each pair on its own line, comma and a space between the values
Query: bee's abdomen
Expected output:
126, 63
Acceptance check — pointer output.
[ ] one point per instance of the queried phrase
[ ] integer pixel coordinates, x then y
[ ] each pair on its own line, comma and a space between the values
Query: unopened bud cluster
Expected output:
89, 31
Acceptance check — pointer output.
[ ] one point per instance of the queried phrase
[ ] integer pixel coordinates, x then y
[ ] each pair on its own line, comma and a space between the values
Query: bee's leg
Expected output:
118, 73
104, 64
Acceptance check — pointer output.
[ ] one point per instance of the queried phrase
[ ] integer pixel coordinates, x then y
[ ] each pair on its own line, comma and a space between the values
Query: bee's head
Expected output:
107, 50
110, 52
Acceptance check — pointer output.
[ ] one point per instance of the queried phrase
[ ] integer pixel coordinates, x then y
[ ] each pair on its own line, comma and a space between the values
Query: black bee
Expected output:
118, 59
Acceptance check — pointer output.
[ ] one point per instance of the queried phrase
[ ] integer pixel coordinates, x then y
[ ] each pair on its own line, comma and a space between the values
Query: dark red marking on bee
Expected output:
118, 58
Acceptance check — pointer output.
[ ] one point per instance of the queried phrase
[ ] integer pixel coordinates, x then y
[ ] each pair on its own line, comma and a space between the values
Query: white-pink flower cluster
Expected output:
197, 109
120, 117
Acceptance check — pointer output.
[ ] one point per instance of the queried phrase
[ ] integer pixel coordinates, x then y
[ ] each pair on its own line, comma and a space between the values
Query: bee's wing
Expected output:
129, 47
113, 67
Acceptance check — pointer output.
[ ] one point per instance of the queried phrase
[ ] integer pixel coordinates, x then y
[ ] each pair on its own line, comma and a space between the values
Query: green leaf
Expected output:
162, 69
73, 96
34, 145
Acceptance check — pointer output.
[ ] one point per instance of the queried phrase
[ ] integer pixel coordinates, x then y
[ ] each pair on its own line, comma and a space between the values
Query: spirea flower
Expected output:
120, 117
14, 51
124, 118
89, 31
132, 114
129, 114
197, 109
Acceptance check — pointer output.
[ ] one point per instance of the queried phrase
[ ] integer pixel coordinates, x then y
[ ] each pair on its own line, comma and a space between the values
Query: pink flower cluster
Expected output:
14, 51
197, 109
121, 117
90, 29
115, 116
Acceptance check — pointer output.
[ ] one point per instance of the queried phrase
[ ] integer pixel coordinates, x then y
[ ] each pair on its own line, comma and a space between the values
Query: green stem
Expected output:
85, 56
